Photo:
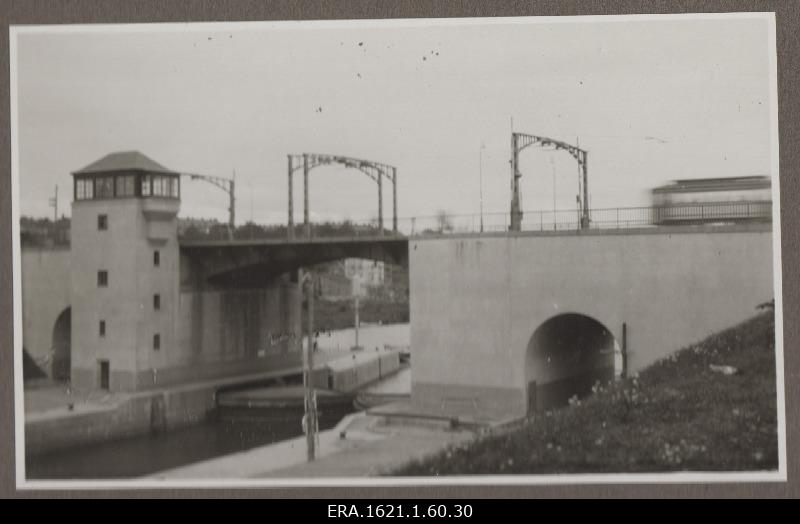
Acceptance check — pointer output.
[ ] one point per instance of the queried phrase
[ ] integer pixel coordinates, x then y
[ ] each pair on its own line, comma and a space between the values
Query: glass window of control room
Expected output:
161, 186
104, 187
126, 186
90, 187
84, 189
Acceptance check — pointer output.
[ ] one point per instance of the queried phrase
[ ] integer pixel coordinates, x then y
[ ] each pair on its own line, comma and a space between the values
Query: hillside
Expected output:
678, 414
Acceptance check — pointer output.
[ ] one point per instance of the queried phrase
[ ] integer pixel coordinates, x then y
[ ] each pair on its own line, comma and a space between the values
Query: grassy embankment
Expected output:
677, 415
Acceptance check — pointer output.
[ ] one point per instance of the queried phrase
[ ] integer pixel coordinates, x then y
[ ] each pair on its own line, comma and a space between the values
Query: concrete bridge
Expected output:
255, 263
505, 324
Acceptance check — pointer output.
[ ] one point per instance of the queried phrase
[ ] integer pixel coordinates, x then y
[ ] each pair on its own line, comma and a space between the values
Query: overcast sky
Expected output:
650, 100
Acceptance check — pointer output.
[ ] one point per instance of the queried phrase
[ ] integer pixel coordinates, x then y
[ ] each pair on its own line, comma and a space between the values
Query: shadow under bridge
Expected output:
255, 263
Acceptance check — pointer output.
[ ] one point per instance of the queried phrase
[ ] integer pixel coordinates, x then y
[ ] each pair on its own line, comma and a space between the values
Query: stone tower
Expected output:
125, 272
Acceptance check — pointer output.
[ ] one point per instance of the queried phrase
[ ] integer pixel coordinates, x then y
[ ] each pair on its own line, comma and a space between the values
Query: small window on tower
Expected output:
156, 341
156, 301
102, 328
102, 278
102, 222
156, 258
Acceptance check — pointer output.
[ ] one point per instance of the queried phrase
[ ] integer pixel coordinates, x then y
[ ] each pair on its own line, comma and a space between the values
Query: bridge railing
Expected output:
540, 220
603, 218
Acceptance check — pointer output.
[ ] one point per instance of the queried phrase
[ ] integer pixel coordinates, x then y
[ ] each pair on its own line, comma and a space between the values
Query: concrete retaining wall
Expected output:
136, 415
351, 372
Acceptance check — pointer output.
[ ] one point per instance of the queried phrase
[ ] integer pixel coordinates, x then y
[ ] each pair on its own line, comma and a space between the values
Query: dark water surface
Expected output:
227, 430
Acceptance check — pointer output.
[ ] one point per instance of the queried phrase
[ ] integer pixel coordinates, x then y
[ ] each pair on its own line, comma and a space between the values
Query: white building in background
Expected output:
364, 274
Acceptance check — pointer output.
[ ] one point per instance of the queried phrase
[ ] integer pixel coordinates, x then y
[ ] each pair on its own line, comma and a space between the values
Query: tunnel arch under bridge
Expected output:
566, 355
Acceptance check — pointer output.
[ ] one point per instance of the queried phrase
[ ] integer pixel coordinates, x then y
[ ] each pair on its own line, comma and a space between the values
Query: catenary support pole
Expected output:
394, 200
290, 224
306, 221
380, 203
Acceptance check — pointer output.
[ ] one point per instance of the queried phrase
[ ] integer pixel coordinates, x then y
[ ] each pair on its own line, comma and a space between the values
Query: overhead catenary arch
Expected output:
374, 170
520, 141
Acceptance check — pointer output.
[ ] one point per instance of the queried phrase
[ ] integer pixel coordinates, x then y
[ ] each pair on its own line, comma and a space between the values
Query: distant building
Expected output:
364, 274
333, 283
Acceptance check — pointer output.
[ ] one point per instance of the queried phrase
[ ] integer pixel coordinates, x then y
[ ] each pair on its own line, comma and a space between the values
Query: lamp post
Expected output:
480, 180
309, 397
553, 165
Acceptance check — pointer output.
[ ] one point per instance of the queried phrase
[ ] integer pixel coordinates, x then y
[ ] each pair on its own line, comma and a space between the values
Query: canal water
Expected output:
225, 431
371, 336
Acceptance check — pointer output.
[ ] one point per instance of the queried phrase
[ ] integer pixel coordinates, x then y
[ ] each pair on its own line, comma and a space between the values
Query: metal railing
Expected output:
709, 213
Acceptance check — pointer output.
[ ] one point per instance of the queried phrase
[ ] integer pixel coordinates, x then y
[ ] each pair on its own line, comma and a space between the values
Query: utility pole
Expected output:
306, 221
251, 201
394, 200
480, 180
232, 206
516, 212
310, 398
553, 165
290, 225
357, 322
54, 205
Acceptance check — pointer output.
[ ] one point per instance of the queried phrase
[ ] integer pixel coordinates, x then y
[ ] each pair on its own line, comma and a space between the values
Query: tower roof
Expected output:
124, 161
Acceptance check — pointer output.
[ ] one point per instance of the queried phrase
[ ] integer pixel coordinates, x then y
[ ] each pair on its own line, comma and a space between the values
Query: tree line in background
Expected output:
44, 232
212, 230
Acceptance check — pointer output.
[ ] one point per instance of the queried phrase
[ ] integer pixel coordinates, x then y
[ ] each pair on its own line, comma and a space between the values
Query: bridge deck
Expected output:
399, 239
201, 243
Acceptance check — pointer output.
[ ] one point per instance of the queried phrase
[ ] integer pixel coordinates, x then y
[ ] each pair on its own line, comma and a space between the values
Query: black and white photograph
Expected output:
452, 251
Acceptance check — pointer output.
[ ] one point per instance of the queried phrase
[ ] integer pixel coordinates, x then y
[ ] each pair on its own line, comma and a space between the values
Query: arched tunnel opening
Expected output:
61, 346
566, 356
